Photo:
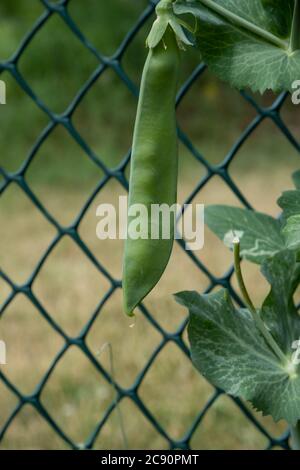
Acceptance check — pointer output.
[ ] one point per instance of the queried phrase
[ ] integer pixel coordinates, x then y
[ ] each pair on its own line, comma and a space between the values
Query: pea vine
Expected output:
254, 352
250, 351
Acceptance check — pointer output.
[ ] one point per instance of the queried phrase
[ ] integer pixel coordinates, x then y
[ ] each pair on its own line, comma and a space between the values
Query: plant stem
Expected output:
295, 33
258, 321
295, 435
247, 25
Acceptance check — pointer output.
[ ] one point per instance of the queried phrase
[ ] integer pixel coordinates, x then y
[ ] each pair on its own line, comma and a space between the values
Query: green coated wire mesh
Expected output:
114, 62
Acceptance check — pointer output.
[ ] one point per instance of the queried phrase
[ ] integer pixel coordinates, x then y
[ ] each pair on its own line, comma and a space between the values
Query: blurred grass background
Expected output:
56, 65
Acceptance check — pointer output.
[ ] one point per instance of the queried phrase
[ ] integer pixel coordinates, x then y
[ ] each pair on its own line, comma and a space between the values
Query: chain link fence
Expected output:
114, 63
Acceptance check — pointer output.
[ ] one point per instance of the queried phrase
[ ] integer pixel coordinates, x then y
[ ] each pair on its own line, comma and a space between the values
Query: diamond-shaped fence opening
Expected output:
74, 375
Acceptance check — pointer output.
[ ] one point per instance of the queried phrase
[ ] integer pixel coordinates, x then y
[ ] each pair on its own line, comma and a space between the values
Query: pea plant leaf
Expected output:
260, 234
291, 232
230, 352
278, 311
279, 15
247, 43
290, 203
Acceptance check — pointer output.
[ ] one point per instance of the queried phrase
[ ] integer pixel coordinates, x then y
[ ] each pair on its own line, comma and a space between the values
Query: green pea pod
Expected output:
154, 168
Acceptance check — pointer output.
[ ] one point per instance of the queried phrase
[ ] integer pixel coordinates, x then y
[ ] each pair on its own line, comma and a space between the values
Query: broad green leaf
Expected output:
259, 233
290, 203
278, 310
291, 232
238, 54
228, 349
279, 15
